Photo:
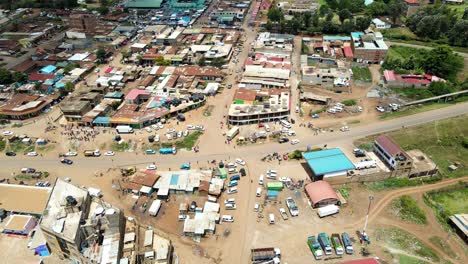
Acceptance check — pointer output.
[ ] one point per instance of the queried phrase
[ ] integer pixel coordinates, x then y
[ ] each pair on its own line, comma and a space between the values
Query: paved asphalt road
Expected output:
252, 152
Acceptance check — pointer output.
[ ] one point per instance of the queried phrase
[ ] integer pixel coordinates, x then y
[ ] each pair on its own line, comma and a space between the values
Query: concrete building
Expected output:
392, 154
368, 48
23, 199
19, 225
23, 106
327, 78
82, 228
252, 107
83, 22
393, 80
460, 223
379, 24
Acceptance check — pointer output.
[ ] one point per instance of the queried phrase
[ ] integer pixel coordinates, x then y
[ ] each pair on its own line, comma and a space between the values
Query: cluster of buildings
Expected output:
74, 223
263, 93
394, 80
229, 12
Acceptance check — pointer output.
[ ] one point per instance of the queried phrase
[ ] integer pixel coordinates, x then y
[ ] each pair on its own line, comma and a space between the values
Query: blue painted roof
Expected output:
328, 161
272, 193
48, 69
335, 38
356, 35
101, 120
174, 179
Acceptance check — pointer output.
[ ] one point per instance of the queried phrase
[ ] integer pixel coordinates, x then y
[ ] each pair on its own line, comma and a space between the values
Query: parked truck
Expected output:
232, 133
292, 206
92, 153
315, 247
154, 208
325, 243
167, 151
124, 129
328, 210
336, 241
261, 255
283, 213
347, 243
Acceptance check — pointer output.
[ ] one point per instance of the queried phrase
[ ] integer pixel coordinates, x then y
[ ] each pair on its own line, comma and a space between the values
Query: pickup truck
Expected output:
92, 153
315, 247
283, 214
292, 206
265, 254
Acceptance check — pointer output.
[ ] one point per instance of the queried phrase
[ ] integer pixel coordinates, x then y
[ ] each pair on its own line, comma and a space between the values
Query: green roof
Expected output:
275, 186
144, 3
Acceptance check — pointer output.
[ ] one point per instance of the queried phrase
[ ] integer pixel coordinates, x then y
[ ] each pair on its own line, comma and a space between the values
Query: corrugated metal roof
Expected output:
328, 161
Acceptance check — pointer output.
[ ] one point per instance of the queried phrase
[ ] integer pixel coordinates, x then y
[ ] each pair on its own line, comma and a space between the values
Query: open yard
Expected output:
361, 74
406, 208
448, 201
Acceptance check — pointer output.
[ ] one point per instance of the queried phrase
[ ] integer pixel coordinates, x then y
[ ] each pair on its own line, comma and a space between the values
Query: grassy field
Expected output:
124, 146
344, 191
448, 201
2, 144
362, 74
460, 9
440, 140
19, 147
187, 143
405, 259
440, 243
407, 208
404, 241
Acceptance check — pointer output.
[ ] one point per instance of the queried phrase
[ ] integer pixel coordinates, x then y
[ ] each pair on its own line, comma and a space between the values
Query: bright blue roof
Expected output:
101, 120
48, 69
174, 179
335, 38
272, 193
356, 35
328, 161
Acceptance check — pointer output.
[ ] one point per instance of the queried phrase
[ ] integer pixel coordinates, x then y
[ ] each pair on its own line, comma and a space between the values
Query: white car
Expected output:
156, 138
231, 165
155, 127
32, 154
284, 179
227, 218
190, 127
151, 167
232, 190
109, 153
232, 170
168, 136
186, 133
230, 201
71, 154
7, 133
170, 130
240, 162
344, 129
294, 141
199, 127
291, 133
160, 125
179, 134
380, 109
148, 129
359, 108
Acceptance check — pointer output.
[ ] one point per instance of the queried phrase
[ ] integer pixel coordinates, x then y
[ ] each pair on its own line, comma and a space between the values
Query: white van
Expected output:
259, 191
285, 123
271, 218
256, 207
267, 128
260, 179
212, 199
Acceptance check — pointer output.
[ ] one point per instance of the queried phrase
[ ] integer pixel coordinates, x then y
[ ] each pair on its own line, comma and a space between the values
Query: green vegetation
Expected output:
349, 102
395, 183
45, 148
414, 109
361, 74
120, 147
440, 61
344, 191
2, 144
20, 147
7, 77
402, 240
207, 110
366, 146
407, 209
321, 110
296, 154
448, 201
23, 177
440, 243
405, 259
189, 141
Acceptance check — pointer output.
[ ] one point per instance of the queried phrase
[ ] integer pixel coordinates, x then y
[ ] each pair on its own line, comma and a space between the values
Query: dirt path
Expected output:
382, 203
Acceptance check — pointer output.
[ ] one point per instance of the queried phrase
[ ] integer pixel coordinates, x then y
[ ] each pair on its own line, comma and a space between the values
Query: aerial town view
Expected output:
233, 131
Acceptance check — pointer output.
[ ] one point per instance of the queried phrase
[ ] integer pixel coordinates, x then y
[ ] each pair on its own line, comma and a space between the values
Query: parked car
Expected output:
294, 141
193, 206
32, 154
71, 154
7, 133
151, 167
227, 218
109, 153
380, 108
10, 153
240, 162
242, 172
283, 140
359, 153
66, 161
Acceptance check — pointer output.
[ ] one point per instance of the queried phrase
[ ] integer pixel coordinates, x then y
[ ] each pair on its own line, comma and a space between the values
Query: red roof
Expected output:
362, 261
40, 77
389, 145
133, 94
319, 191
348, 52
412, 2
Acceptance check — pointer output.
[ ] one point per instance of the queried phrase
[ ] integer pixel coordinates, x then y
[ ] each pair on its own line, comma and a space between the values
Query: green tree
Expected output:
19, 77
101, 54
377, 8
5, 76
103, 10
395, 9
67, 89
218, 62
441, 88
443, 62
160, 61
275, 14
307, 16
344, 14
458, 35
126, 54
115, 105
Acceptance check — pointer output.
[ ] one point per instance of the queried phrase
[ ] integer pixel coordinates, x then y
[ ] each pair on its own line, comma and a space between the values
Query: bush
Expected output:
465, 142
297, 154
407, 209
349, 102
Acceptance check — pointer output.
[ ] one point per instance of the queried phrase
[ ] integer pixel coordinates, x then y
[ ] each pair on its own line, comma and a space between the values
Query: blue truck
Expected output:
325, 243
167, 151
347, 243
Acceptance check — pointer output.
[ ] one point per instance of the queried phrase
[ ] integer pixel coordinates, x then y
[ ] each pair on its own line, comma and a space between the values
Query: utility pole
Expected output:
363, 234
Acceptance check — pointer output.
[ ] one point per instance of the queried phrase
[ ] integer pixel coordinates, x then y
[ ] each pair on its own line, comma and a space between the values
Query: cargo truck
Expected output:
232, 133
336, 241
292, 206
347, 243
260, 255
167, 151
325, 243
124, 129
315, 247
328, 210
154, 208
